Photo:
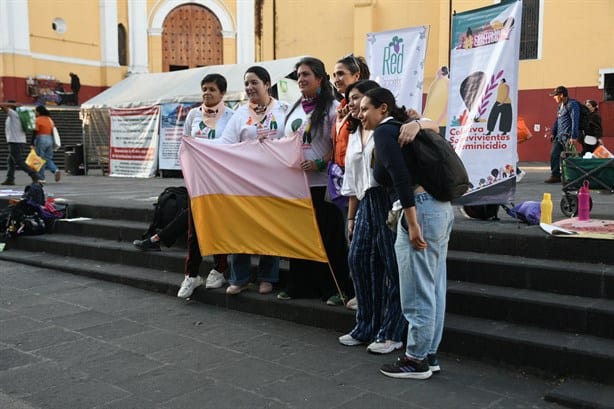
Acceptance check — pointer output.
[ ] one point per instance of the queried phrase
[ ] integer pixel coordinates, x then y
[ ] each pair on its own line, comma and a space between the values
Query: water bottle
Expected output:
584, 203
546, 209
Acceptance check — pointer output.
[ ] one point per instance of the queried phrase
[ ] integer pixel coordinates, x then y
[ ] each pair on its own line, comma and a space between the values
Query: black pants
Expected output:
313, 279
194, 258
15, 158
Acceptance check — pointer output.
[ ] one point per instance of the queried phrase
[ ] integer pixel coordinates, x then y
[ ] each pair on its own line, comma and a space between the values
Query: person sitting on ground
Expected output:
206, 121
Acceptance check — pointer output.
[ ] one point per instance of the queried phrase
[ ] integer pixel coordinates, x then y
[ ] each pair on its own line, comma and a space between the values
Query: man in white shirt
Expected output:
16, 140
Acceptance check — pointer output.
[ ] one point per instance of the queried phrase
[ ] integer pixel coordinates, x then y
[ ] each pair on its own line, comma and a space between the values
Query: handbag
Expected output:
333, 188
57, 142
34, 161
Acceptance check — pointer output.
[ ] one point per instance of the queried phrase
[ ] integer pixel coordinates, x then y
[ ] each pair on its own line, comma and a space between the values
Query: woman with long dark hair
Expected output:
422, 239
311, 120
379, 320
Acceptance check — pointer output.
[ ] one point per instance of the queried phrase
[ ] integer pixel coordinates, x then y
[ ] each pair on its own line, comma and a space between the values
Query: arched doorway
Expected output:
191, 37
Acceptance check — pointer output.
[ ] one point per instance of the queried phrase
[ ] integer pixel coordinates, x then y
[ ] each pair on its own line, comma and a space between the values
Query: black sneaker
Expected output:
407, 368
8, 183
146, 245
433, 362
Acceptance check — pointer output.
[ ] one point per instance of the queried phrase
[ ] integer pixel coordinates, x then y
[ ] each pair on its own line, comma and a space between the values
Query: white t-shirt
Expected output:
319, 144
241, 128
359, 162
196, 127
12, 128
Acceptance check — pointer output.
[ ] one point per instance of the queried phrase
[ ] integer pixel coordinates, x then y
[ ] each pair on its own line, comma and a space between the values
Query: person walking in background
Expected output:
594, 131
75, 86
43, 142
16, 140
565, 131
379, 320
421, 247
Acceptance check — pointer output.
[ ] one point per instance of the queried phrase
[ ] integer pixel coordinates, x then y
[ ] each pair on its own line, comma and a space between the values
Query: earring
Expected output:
319, 90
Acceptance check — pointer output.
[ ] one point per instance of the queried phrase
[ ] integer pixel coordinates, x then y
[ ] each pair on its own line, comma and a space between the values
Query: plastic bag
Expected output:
34, 161
528, 212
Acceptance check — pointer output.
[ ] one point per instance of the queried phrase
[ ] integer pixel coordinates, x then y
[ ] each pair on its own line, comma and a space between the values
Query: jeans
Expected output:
44, 149
422, 275
555, 157
268, 269
14, 158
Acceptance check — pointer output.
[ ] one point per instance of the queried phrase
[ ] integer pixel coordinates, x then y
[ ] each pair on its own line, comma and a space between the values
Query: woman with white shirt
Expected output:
379, 319
311, 120
262, 117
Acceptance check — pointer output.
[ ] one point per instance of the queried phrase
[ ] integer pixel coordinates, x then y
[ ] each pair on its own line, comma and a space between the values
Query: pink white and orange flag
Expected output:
251, 198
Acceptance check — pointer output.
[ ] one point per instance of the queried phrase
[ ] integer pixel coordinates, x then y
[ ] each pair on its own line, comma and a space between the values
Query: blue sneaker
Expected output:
433, 362
407, 368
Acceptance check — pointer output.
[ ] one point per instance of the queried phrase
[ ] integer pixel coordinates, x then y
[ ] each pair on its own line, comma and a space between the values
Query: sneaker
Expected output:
336, 300
57, 175
282, 295
146, 245
265, 287
349, 341
236, 289
188, 286
385, 347
352, 304
553, 179
215, 279
519, 175
433, 363
8, 183
407, 368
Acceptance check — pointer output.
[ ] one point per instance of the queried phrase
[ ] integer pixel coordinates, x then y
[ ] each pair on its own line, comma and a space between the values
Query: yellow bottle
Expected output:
546, 209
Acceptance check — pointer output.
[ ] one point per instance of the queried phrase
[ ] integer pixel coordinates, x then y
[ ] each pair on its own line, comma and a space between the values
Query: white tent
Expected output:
180, 86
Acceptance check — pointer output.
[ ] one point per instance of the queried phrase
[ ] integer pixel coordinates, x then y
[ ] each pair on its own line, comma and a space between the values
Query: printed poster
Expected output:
171, 131
134, 142
483, 98
396, 61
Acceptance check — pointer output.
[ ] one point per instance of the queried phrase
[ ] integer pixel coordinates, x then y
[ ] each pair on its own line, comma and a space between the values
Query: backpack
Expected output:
584, 116
24, 220
482, 212
170, 202
436, 167
35, 193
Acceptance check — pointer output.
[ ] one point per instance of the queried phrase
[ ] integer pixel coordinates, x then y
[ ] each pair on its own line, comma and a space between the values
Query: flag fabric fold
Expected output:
251, 198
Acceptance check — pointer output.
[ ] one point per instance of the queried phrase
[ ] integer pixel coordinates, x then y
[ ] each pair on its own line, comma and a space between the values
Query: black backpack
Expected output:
170, 202
436, 167
482, 212
584, 116
34, 192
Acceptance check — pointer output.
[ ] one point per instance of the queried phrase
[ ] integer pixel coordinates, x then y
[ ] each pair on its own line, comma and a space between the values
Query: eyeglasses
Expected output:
353, 59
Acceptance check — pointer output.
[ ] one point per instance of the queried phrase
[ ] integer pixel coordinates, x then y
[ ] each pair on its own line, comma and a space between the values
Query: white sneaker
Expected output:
352, 304
349, 340
520, 175
188, 286
215, 279
385, 347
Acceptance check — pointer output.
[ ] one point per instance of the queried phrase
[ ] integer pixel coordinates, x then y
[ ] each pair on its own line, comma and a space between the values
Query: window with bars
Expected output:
529, 36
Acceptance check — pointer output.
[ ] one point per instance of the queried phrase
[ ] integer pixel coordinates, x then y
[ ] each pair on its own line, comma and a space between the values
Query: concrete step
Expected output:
119, 230
551, 275
594, 316
544, 350
579, 393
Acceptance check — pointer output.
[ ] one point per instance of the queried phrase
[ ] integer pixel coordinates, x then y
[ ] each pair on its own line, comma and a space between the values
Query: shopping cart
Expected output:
598, 172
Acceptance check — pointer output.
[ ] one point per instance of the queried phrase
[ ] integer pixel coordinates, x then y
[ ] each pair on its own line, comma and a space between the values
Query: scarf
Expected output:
212, 114
258, 112
309, 104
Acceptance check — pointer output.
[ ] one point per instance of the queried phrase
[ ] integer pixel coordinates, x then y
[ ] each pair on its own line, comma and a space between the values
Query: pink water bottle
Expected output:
584, 203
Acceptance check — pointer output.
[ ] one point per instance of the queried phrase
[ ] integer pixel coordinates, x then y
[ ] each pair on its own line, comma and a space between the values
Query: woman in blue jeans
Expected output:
43, 142
422, 239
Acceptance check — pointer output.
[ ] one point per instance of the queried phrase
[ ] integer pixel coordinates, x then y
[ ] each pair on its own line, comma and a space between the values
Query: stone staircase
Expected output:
514, 296
69, 126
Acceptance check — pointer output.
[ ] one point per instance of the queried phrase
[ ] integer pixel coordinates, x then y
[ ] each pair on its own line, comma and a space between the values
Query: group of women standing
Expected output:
399, 279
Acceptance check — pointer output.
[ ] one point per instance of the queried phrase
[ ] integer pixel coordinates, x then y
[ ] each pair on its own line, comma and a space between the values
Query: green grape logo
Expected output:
393, 57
